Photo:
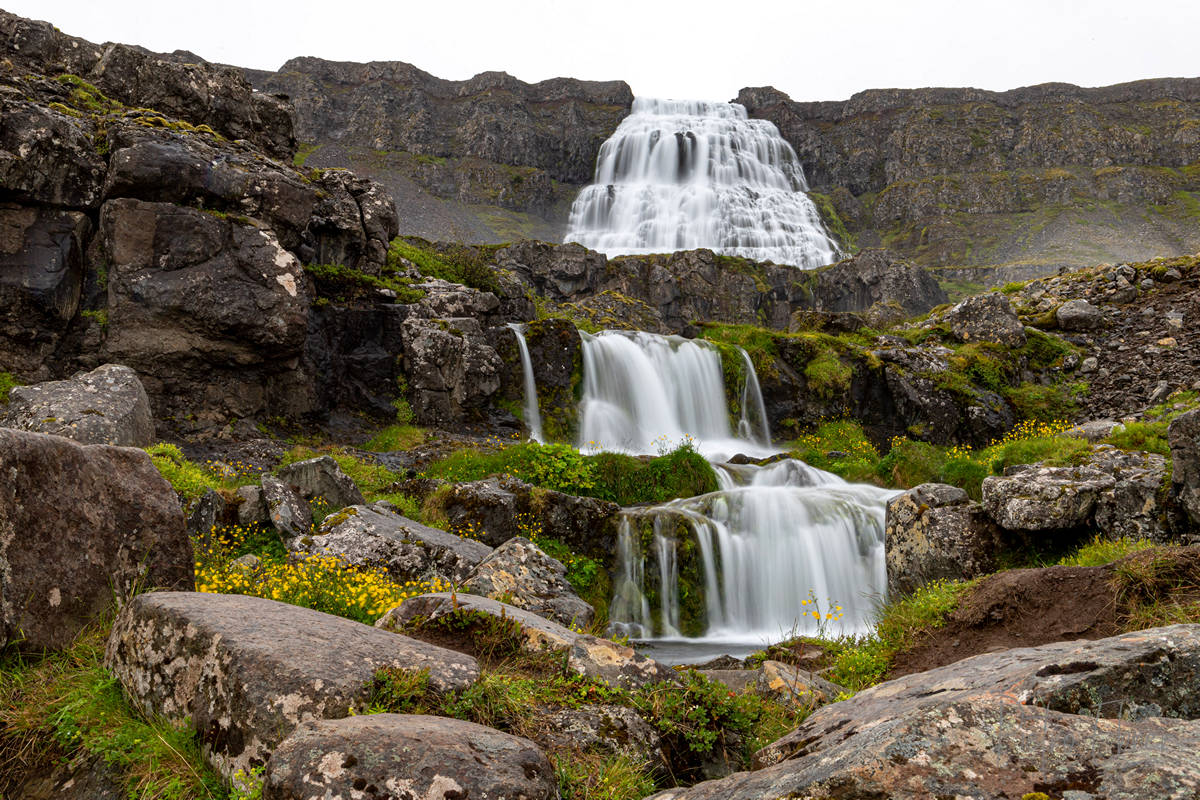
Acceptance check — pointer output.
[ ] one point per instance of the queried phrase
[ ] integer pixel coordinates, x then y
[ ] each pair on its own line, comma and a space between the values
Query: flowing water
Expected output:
533, 415
679, 175
742, 566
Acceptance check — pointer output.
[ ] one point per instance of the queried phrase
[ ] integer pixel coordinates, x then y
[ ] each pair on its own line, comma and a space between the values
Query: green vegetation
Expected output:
468, 265
86, 97
67, 705
833, 221
7, 383
827, 376
190, 479
395, 437
374, 480
303, 151
622, 479
344, 284
1100, 551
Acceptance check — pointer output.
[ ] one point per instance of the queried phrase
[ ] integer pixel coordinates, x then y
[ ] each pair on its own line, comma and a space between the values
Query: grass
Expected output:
395, 437
190, 479
1100, 551
67, 704
470, 266
7, 383
344, 284
375, 481
622, 479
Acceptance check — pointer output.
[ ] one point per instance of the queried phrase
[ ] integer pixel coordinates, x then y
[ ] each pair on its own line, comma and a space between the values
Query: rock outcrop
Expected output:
406, 755
246, 671
527, 578
1065, 716
965, 176
80, 527
1184, 437
105, 406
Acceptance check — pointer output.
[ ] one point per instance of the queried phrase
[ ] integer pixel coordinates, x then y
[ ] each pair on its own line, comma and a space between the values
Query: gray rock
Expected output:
1089, 365
406, 756
986, 318
246, 671
322, 477
739, 680
83, 777
615, 730
452, 368
252, 510
80, 527
372, 537
933, 531
1078, 315
1183, 434
590, 656
1160, 392
1133, 506
1095, 430
527, 578
288, 512
1039, 498
208, 514
790, 684
105, 406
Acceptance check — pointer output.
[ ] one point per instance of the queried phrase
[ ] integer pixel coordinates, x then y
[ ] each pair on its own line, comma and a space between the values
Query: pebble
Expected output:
1146, 283
1167, 342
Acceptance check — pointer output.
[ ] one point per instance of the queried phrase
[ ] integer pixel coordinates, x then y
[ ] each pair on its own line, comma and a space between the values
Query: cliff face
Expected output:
487, 159
1046, 175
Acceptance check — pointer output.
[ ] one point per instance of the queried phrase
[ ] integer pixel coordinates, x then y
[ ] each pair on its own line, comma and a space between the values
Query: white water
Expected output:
533, 415
645, 393
679, 175
772, 540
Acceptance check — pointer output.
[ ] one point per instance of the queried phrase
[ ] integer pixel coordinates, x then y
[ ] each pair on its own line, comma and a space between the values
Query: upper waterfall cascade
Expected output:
680, 175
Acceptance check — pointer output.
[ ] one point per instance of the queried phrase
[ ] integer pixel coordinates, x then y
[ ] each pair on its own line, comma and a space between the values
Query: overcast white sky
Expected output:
698, 49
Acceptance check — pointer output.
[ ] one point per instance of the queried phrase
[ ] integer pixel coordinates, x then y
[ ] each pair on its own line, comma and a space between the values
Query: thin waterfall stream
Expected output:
533, 414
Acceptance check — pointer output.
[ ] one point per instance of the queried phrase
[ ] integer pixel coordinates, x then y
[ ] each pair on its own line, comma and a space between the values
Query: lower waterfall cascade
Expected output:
775, 544
681, 175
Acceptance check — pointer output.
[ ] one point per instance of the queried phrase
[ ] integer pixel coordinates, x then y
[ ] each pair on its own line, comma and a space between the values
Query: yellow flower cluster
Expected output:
469, 529
832, 613
1033, 429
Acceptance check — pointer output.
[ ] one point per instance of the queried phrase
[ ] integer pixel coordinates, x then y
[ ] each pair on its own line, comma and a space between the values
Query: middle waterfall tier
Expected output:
679, 175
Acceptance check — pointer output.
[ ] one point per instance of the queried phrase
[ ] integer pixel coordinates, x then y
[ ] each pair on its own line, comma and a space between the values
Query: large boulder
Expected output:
1183, 435
587, 655
406, 756
985, 318
80, 527
1078, 315
1114, 491
211, 310
452, 369
41, 281
873, 277
526, 577
934, 532
374, 537
353, 222
322, 478
105, 406
246, 671
1065, 716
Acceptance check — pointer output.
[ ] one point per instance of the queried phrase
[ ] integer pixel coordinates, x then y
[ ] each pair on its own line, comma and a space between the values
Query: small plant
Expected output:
7, 383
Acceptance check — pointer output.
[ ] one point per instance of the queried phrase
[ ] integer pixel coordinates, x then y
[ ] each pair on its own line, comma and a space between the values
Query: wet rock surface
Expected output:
80, 527
221, 661
105, 406
406, 755
374, 537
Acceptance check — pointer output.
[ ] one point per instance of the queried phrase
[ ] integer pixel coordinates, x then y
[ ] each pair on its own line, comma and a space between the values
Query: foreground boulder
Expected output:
79, 527
587, 655
105, 406
406, 755
519, 571
933, 532
246, 671
374, 537
1066, 716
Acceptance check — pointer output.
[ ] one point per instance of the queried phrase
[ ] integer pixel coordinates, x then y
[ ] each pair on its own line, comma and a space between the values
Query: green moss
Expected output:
470, 266
826, 375
344, 284
86, 97
833, 221
7, 383
1046, 403
303, 151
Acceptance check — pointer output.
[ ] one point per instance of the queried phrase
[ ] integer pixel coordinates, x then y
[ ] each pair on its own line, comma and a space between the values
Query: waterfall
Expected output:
679, 175
643, 393
533, 415
772, 539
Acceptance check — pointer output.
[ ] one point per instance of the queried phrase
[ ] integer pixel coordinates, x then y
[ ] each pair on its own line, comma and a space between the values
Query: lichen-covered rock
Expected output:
453, 370
83, 777
933, 532
374, 537
48, 157
41, 282
611, 729
353, 222
590, 656
209, 512
246, 671
527, 578
406, 756
288, 512
321, 477
791, 684
80, 526
1184, 436
1078, 315
105, 406
985, 318
1115, 491
1067, 716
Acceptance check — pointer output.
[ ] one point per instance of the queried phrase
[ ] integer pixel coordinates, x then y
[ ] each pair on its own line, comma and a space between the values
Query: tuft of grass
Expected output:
1100, 551
1045, 403
67, 704
827, 376
470, 266
1150, 437
395, 437
595, 776
7, 383
190, 479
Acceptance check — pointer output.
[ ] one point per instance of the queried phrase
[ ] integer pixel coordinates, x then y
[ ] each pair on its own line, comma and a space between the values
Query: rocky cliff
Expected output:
487, 159
1048, 175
